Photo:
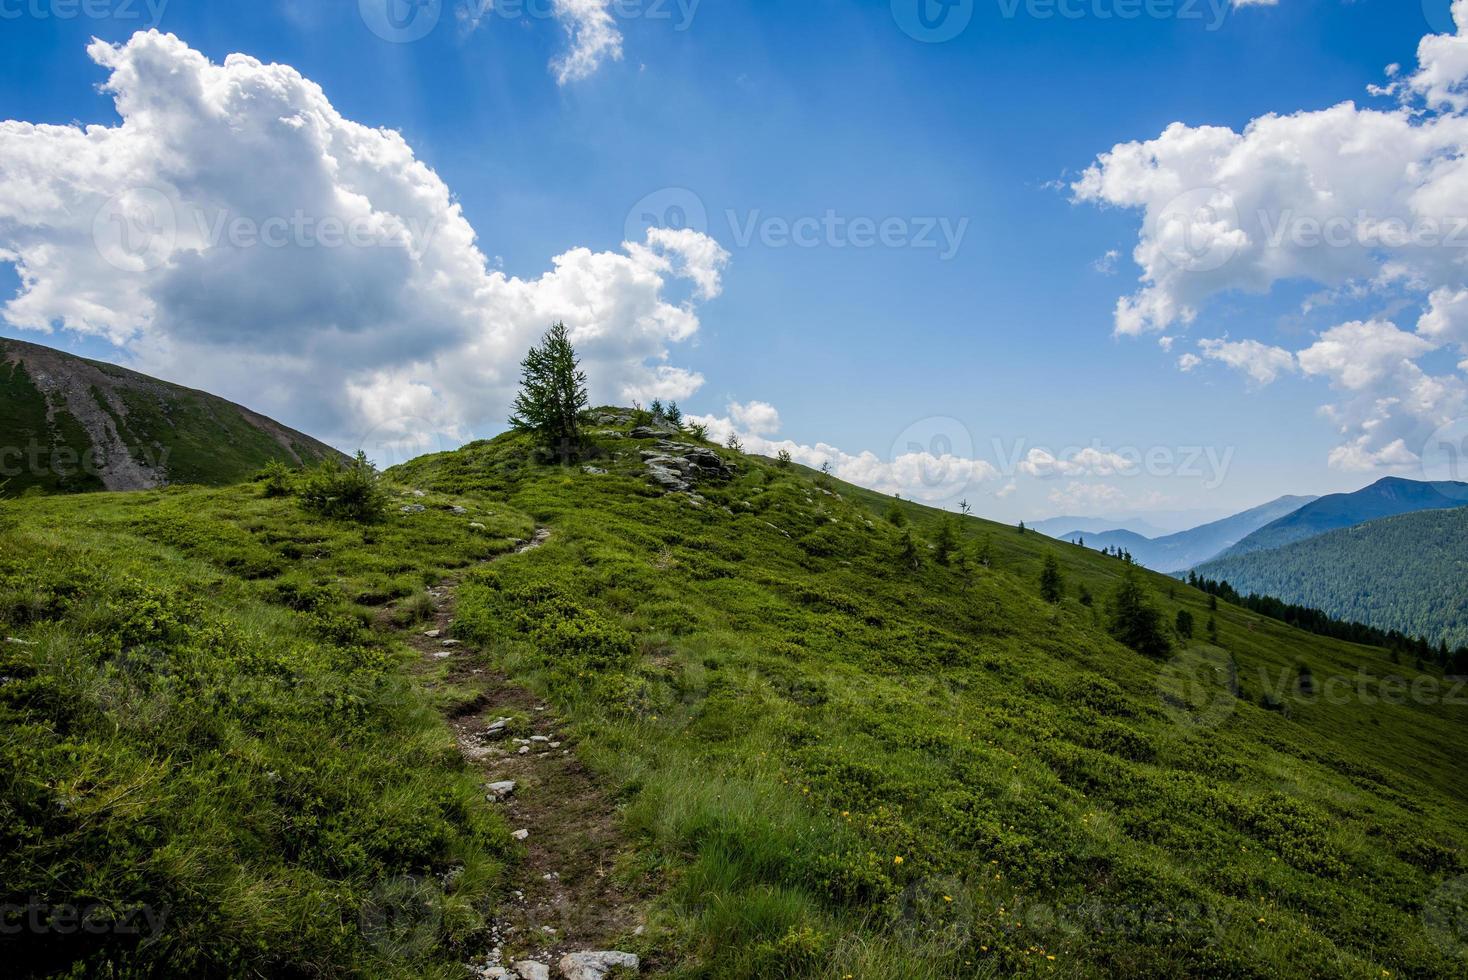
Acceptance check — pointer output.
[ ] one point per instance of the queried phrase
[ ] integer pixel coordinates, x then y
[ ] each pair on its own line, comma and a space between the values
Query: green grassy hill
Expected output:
1402, 573
68, 424
832, 754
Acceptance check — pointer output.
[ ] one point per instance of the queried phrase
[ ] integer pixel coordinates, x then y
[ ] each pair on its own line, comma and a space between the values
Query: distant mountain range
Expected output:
1180, 552
68, 424
1061, 527
1385, 498
1407, 573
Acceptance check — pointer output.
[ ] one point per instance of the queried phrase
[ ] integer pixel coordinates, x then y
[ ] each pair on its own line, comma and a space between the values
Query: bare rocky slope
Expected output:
69, 424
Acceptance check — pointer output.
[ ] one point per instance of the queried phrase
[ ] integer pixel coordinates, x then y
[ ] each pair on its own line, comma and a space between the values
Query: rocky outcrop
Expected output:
679, 467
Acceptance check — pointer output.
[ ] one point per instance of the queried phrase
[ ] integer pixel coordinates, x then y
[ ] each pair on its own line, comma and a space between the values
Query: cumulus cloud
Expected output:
237, 233
1043, 464
1259, 361
921, 475
1371, 204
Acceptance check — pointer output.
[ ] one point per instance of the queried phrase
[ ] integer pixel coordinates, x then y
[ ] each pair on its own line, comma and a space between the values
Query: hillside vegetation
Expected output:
839, 751
1407, 573
68, 424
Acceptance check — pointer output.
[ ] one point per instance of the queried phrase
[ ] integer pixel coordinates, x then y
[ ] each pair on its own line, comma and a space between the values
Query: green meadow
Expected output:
846, 737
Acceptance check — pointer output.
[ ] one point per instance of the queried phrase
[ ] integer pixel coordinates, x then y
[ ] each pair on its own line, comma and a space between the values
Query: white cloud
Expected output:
1370, 204
593, 36
1189, 362
132, 233
1446, 319
1262, 363
1442, 61
1042, 464
1360, 355
755, 418
918, 475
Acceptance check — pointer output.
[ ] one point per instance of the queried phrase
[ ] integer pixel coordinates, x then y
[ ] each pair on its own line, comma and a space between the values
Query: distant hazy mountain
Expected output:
68, 424
1407, 573
1181, 551
1060, 527
1385, 498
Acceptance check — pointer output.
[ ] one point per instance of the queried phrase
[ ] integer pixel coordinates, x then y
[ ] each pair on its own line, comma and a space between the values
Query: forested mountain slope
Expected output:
1407, 573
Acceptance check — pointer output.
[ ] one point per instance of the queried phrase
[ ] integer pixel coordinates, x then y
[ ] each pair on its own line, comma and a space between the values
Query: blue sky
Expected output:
786, 111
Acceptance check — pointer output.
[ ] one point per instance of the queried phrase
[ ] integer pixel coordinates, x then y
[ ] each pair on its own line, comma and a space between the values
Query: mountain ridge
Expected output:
1387, 497
74, 424
1185, 549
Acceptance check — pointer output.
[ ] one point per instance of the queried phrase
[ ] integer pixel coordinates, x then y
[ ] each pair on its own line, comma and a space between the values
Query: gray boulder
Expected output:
596, 966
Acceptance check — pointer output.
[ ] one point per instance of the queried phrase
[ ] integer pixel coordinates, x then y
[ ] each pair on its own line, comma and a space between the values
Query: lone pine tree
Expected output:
552, 399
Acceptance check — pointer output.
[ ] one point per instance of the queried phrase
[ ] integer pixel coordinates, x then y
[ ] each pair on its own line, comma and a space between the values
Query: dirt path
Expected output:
562, 897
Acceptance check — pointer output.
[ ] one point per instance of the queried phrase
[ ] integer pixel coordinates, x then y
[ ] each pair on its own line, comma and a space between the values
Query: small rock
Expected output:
531, 970
433, 634
498, 791
521, 835
593, 471
420, 493
18, 642
555, 745
458, 510
476, 526
414, 509
451, 643
539, 738
596, 966
524, 750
